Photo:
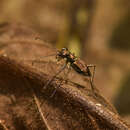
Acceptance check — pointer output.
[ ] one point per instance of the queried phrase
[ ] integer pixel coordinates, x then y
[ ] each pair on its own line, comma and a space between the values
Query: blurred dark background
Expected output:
96, 30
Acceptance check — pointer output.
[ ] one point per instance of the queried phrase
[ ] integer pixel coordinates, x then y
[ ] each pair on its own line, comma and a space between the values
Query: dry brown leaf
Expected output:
73, 107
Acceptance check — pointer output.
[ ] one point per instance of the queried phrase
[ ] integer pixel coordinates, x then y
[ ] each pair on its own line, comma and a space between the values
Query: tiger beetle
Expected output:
76, 63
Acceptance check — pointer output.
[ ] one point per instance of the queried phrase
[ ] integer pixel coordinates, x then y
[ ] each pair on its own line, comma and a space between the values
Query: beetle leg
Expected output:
92, 77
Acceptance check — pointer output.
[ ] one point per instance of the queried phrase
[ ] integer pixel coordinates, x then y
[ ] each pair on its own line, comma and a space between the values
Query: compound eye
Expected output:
64, 49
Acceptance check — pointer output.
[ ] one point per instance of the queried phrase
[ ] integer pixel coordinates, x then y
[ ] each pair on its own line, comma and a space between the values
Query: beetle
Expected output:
76, 63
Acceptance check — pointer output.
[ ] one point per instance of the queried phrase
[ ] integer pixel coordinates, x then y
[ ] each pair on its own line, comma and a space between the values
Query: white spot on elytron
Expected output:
98, 104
